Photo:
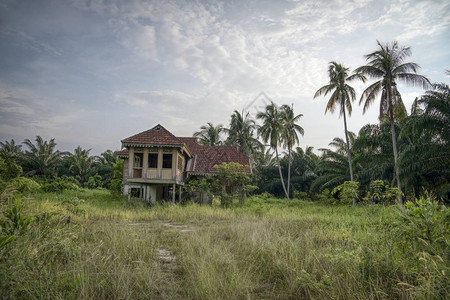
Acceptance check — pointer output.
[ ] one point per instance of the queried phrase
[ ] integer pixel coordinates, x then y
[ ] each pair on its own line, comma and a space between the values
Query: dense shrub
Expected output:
424, 229
58, 185
25, 185
94, 182
346, 193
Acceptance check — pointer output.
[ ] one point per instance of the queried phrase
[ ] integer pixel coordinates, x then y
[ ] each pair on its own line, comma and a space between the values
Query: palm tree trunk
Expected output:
349, 155
281, 175
289, 172
394, 147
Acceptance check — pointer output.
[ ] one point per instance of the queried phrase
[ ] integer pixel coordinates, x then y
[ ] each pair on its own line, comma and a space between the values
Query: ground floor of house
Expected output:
159, 193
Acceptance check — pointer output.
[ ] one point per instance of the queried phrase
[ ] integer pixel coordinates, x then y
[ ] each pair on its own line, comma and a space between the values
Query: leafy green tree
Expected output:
80, 164
209, 135
387, 64
232, 179
116, 182
42, 158
271, 131
289, 134
343, 95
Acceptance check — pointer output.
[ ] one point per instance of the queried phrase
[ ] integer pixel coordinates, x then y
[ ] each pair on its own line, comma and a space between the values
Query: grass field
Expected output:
266, 249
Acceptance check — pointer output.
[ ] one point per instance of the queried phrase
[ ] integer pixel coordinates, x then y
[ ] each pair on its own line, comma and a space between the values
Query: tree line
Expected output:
409, 152
404, 154
42, 161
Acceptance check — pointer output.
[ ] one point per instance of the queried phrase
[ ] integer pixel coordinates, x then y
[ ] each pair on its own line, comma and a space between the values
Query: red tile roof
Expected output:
204, 158
158, 135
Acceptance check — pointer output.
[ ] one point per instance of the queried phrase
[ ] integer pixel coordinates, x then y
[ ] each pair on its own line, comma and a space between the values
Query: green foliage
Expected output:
209, 135
116, 183
380, 193
25, 185
300, 195
234, 177
12, 219
346, 193
41, 158
424, 225
59, 184
94, 182
9, 169
72, 205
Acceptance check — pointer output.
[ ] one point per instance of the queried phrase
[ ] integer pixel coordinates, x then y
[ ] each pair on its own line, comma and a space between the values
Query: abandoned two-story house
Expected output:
157, 163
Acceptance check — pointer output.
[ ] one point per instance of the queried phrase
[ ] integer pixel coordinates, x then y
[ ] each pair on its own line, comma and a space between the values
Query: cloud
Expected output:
31, 42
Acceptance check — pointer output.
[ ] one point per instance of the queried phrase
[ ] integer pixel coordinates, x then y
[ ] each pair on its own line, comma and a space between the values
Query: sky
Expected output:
93, 72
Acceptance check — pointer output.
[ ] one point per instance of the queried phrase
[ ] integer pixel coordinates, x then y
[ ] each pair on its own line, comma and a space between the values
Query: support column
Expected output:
179, 195
160, 161
130, 162
145, 163
174, 190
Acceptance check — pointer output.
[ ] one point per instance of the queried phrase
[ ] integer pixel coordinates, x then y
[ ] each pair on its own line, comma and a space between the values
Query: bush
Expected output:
59, 185
94, 182
380, 193
424, 232
300, 195
26, 185
346, 193
9, 169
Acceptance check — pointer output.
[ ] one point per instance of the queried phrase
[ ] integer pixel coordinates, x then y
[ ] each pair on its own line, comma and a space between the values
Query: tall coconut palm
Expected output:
289, 134
271, 131
343, 95
209, 135
42, 158
240, 133
388, 65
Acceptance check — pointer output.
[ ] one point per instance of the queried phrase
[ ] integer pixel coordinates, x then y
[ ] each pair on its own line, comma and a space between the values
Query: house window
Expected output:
167, 161
153, 160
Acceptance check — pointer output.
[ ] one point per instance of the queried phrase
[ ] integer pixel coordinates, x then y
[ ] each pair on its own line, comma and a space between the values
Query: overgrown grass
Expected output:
268, 248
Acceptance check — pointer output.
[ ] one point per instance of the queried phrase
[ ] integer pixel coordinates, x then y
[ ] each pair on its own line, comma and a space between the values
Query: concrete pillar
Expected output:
174, 163
145, 163
130, 162
179, 195
174, 190
160, 161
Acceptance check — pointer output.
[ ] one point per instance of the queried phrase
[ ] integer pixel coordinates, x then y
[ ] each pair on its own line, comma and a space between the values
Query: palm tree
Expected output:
387, 64
80, 164
332, 170
342, 95
425, 159
304, 168
42, 158
271, 131
289, 134
240, 133
209, 135
10, 150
